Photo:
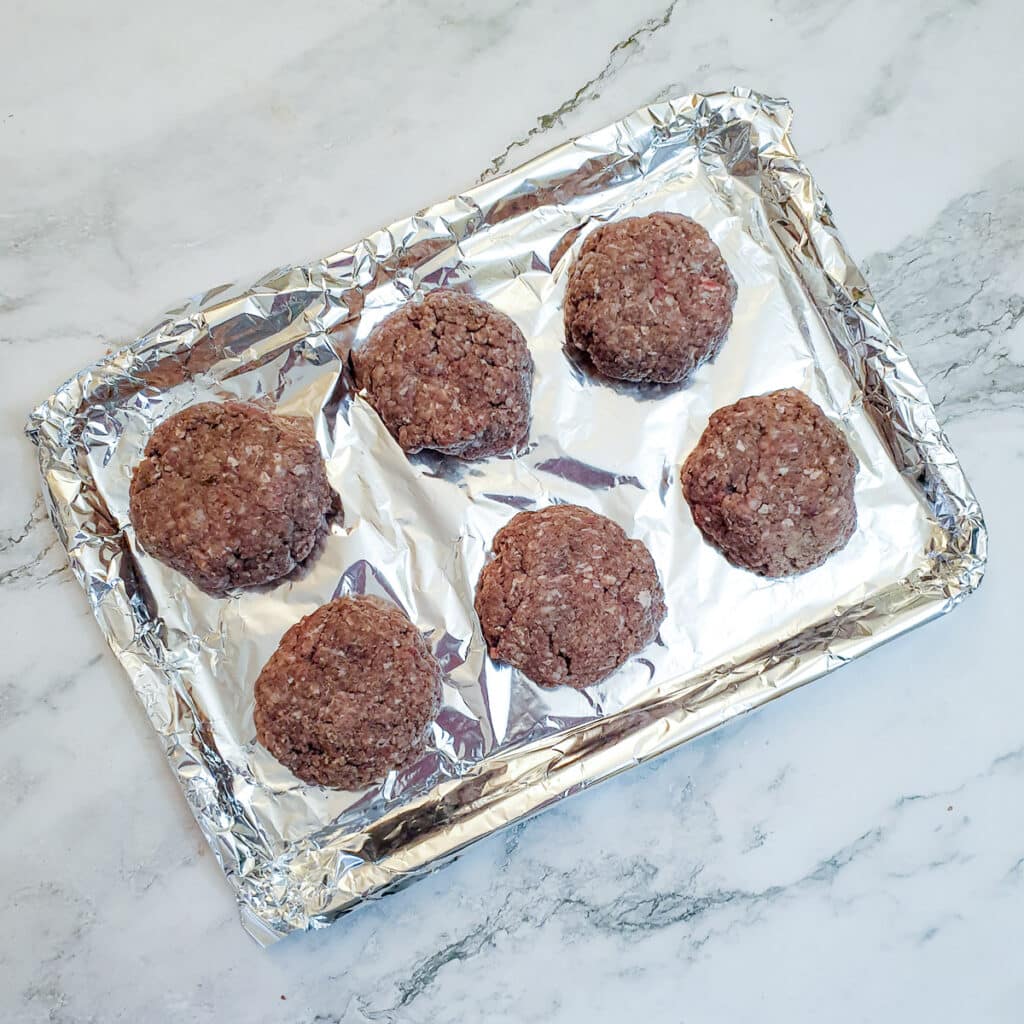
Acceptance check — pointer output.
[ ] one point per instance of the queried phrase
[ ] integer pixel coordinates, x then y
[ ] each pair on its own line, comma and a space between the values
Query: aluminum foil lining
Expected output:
417, 530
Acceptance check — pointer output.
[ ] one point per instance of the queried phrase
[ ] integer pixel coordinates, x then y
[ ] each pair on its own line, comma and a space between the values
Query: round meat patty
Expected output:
649, 299
231, 496
450, 373
348, 694
568, 596
770, 484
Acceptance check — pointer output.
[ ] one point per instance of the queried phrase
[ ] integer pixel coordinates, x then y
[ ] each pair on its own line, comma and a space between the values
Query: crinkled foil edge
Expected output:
746, 135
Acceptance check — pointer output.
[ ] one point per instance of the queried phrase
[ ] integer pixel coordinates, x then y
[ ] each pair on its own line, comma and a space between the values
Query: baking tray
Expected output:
417, 530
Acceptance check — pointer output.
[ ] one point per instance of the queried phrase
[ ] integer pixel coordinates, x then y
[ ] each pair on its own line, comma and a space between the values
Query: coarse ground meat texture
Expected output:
450, 373
568, 597
770, 484
348, 694
231, 496
649, 299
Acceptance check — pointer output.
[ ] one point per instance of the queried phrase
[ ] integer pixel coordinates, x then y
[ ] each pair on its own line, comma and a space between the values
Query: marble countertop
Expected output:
855, 851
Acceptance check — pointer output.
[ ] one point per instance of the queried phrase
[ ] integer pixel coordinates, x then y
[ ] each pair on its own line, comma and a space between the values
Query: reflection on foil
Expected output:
417, 530
592, 477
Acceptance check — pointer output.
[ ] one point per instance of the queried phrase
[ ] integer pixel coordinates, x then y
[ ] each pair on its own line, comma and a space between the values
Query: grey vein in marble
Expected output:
622, 52
955, 296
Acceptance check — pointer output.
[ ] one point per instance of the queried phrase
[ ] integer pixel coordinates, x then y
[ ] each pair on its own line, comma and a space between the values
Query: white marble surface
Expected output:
854, 852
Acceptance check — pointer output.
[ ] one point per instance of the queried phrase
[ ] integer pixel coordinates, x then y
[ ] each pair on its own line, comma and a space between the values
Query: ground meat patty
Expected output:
231, 496
450, 373
649, 298
770, 484
348, 694
568, 596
